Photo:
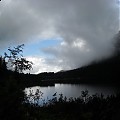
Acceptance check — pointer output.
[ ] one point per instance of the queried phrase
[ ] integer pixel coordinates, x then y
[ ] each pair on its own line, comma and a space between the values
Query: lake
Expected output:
71, 90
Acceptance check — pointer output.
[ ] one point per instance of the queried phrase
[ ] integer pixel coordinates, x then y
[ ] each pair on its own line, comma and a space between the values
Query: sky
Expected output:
59, 34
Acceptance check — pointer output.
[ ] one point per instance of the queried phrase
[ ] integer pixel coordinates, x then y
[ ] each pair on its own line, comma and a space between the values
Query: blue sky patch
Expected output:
34, 48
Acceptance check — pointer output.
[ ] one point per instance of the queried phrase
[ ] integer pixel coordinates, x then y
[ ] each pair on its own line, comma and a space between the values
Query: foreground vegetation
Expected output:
94, 107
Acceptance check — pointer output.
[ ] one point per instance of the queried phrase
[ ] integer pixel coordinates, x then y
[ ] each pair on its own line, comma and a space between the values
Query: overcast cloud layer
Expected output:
85, 27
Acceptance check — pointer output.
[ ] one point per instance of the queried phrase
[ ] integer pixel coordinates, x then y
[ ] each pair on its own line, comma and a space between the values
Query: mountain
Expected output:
104, 71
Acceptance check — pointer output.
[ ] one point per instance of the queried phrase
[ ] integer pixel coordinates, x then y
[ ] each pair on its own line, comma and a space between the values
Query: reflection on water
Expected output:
71, 90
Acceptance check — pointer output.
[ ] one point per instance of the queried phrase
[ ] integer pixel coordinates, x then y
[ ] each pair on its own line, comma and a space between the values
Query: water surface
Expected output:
72, 90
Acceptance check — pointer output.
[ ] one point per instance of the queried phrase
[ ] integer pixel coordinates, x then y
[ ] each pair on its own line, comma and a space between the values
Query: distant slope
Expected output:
107, 70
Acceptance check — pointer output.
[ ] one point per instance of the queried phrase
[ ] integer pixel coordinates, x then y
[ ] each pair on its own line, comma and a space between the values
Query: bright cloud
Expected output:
41, 65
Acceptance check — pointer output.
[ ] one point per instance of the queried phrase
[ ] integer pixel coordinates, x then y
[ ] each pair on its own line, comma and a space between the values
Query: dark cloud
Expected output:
86, 27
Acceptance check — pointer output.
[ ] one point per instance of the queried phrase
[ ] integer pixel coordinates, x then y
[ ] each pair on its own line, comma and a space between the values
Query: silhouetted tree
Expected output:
0, 62
11, 87
16, 60
3, 66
